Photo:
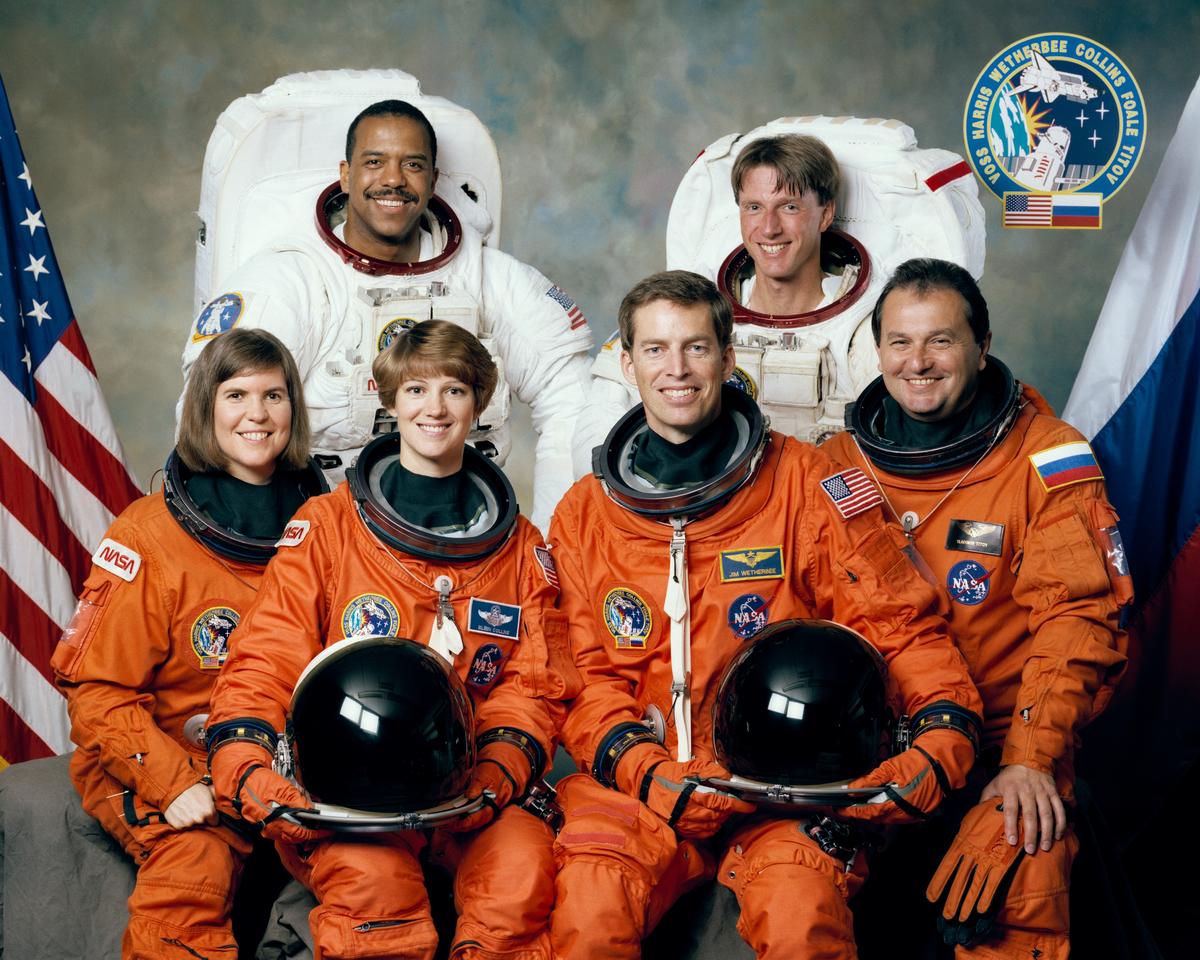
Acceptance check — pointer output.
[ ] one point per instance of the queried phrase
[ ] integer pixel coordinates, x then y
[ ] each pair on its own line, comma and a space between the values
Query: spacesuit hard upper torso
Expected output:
336, 318
1021, 561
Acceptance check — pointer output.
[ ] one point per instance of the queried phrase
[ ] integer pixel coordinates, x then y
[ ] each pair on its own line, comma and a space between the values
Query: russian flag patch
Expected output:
1066, 464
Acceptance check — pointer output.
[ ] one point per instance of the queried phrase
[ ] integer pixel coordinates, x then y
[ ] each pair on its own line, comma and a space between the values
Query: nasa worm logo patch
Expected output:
969, 583
210, 636
370, 615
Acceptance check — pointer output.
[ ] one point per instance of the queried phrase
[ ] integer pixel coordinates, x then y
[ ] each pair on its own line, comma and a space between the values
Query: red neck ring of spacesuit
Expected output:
838, 250
223, 541
864, 419
611, 463
395, 531
333, 201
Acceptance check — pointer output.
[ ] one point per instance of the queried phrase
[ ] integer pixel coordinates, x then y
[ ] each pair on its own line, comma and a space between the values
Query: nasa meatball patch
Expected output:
118, 559
210, 636
220, 316
628, 618
748, 614
494, 618
968, 583
370, 615
485, 665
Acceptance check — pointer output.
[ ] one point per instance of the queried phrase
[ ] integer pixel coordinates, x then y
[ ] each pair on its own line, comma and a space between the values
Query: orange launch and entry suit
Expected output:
779, 548
336, 579
1033, 606
137, 661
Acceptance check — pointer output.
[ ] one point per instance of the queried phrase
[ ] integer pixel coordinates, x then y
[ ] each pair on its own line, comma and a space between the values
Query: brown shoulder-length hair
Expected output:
230, 355
436, 347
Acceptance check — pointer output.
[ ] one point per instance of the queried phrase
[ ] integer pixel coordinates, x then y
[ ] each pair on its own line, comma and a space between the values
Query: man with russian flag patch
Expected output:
1006, 505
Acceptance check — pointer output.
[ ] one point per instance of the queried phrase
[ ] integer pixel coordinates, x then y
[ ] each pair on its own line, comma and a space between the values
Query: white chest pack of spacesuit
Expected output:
896, 202
269, 242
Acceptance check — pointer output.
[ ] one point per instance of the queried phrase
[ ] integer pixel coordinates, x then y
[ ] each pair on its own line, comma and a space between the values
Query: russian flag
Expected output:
1076, 210
1137, 398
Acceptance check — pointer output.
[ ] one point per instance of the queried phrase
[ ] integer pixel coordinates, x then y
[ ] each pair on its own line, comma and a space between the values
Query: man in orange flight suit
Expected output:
1007, 506
706, 528
352, 564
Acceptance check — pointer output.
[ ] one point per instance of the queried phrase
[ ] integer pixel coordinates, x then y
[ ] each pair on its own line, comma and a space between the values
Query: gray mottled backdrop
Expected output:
596, 108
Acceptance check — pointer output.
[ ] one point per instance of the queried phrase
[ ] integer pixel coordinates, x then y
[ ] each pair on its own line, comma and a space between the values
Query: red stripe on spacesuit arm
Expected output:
949, 175
1076, 651
285, 627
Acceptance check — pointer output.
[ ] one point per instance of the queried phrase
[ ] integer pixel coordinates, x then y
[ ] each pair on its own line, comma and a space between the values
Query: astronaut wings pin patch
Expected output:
852, 492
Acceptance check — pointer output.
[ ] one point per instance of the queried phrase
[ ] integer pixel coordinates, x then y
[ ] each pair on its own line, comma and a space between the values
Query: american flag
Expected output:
62, 471
574, 314
852, 492
1028, 209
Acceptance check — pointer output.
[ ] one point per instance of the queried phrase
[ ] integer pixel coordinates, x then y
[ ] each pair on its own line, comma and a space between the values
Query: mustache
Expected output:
399, 193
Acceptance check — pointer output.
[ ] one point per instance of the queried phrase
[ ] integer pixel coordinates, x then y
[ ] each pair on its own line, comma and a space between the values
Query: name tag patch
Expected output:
752, 563
494, 618
118, 559
975, 536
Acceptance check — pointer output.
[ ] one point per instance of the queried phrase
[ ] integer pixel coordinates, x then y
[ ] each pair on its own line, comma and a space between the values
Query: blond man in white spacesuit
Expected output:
797, 223
387, 253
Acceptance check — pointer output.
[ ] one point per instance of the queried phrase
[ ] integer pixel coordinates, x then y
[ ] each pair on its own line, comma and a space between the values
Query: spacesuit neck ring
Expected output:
611, 462
385, 523
332, 201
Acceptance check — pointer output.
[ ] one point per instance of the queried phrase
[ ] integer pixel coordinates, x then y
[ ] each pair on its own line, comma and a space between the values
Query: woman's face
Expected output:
434, 415
252, 421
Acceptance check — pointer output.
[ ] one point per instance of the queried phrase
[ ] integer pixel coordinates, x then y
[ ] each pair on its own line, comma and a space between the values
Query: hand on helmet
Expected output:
672, 789
246, 786
501, 773
915, 781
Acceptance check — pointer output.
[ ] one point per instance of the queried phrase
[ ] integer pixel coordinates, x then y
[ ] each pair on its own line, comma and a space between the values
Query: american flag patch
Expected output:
546, 562
574, 314
852, 492
1028, 210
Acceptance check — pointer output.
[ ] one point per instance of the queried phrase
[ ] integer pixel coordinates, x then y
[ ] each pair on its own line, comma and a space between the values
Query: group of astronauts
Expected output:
957, 525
